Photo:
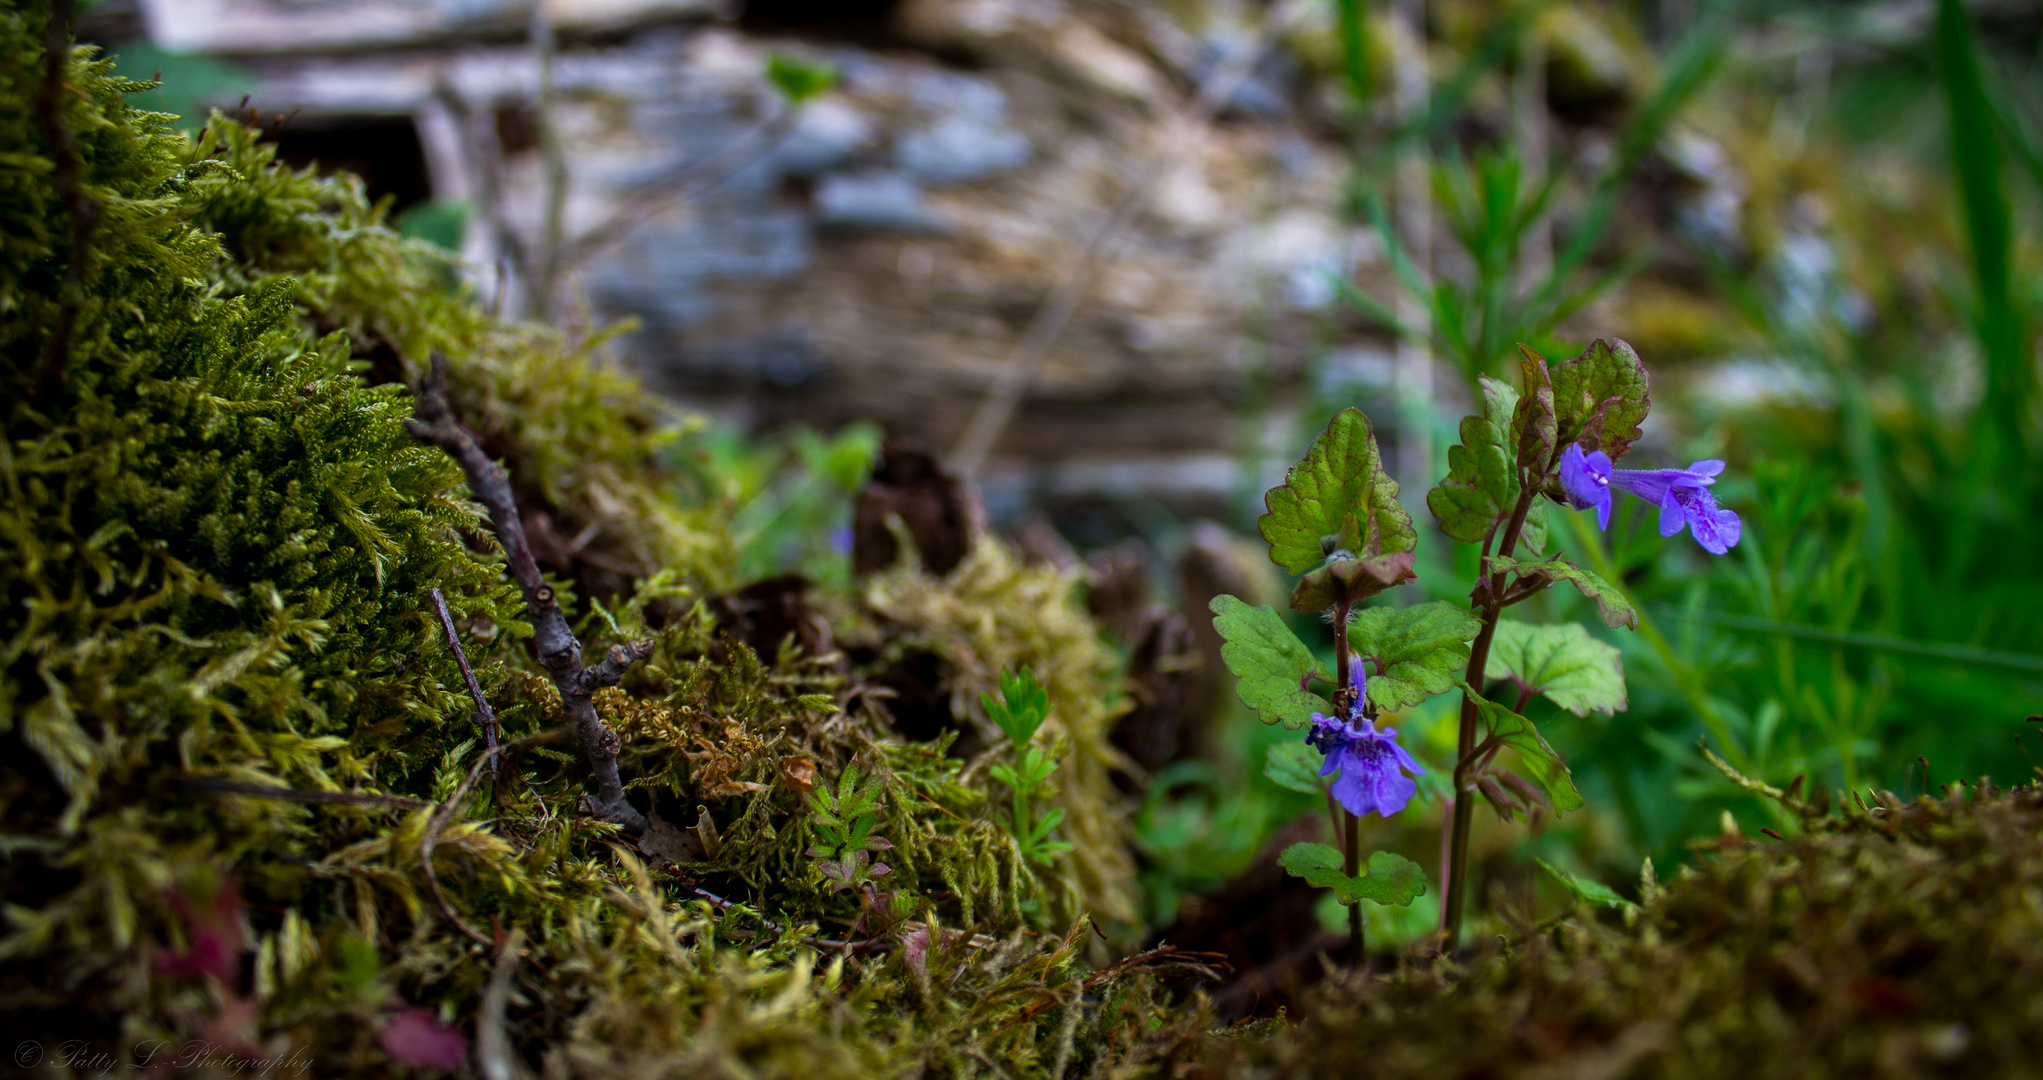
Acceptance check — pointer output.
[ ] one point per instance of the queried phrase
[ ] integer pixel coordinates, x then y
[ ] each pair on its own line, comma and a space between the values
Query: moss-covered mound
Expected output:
241, 802
1895, 940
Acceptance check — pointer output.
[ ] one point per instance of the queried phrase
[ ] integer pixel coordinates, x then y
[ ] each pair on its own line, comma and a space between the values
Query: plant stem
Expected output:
1344, 703
1352, 851
1343, 690
1021, 811
1488, 601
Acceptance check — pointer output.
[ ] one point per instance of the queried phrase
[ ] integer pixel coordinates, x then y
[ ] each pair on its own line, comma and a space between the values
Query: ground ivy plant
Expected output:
1336, 521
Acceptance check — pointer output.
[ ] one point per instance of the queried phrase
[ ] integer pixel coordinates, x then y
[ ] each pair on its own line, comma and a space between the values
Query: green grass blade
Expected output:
1976, 163
1961, 654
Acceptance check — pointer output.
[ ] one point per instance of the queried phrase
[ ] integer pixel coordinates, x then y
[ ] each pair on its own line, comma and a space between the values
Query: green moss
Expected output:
1894, 940
219, 542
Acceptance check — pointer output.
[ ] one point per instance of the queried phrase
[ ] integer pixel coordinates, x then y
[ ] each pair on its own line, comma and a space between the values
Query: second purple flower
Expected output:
1682, 495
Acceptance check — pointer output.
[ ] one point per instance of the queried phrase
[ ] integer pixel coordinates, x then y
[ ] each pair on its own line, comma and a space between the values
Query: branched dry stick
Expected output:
70, 182
484, 715
560, 653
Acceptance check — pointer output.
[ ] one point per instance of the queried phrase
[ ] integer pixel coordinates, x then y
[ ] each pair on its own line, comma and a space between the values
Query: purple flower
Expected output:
1682, 495
1372, 765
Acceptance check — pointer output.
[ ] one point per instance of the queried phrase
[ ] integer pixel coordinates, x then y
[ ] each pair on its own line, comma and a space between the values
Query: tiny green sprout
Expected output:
843, 821
1023, 707
1020, 713
799, 79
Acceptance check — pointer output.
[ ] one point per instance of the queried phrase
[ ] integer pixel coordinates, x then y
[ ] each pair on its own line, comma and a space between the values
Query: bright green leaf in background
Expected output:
190, 86
1539, 759
1269, 663
1339, 489
1390, 879
441, 222
1610, 600
1294, 766
1575, 671
799, 79
1418, 651
1600, 397
1587, 891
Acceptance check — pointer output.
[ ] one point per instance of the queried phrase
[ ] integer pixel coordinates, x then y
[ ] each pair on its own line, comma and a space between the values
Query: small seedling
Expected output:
1023, 706
843, 821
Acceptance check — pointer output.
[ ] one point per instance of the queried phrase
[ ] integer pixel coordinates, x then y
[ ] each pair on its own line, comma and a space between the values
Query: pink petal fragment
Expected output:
415, 1038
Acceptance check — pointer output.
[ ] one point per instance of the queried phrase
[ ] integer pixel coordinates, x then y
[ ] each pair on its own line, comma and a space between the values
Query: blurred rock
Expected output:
957, 149
888, 202
883, 258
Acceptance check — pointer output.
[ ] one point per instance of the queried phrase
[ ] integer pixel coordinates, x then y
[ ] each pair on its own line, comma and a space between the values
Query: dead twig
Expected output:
1163, 958
486, 152
493, 1054
484, 715
560, 652
79, 207
547, 266
216, 786
721, 904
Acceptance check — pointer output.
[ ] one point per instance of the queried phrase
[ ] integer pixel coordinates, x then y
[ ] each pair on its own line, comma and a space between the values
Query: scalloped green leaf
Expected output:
1269, 663
1533, 426
1481, 488
1345, 575
1610, 601
1532, 534
1418, 651
1294, 766
1573, 669
1391, 879
1546, 767
1338, 490
1600, 398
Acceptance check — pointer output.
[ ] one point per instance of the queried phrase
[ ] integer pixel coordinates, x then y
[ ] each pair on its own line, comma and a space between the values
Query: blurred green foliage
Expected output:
1817, 223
